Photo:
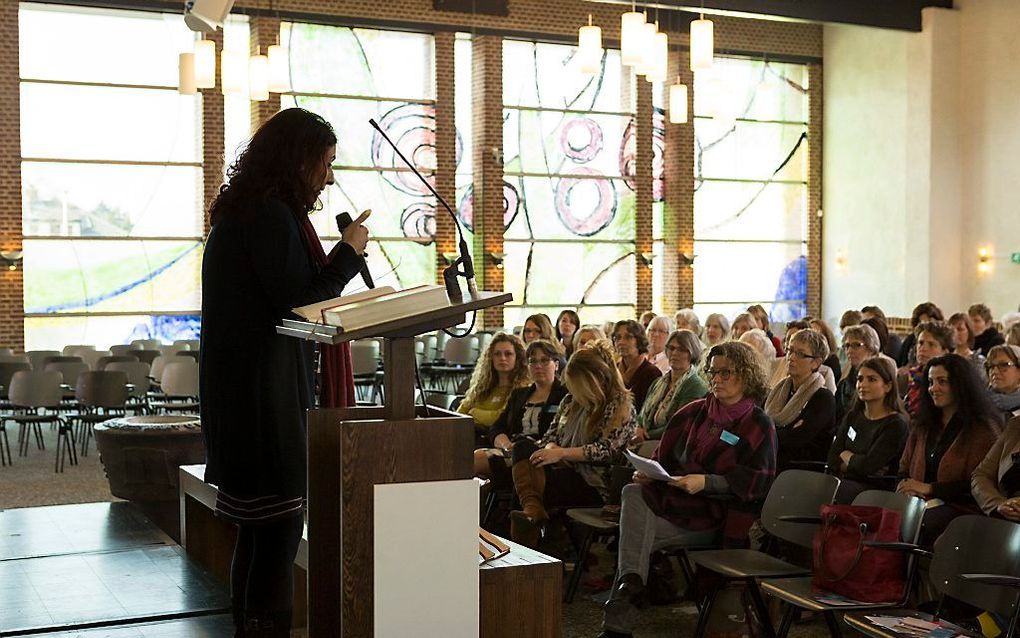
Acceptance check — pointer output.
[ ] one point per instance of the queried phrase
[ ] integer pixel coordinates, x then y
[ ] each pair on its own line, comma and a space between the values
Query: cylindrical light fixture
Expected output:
702, 45
589, 48
660, 58
279, 68
631, 30
205, 64
678, 103
258, 78
648, 31
233, 72
186, 74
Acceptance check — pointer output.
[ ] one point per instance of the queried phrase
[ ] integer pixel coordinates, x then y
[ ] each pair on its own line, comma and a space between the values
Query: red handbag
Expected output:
845, 566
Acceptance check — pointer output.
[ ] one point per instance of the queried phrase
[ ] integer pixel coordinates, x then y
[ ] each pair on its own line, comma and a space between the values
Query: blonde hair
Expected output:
757, 339
485, 379
594, 331
593, 380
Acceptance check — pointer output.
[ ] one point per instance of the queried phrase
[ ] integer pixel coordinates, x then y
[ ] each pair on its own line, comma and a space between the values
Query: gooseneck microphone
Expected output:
450, 273
343, 220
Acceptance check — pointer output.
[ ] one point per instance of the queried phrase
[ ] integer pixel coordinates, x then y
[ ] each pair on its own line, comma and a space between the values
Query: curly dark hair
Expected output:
277, 162
969, 392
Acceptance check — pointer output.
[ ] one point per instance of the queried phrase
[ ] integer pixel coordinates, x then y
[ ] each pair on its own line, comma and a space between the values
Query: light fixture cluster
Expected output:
257, 75
646, 50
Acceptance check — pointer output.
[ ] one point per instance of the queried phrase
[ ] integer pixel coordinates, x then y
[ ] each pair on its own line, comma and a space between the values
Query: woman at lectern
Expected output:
262, 258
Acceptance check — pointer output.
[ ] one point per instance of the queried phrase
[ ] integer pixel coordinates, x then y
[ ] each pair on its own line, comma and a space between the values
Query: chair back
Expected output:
365, 357
7, 370
180, 378
92, 357
184, 344
76, 350
169, 351
977, 545
14, 358
146, 344
911, 510
441, 339
36, 389
69, 370
112, 358
160, 362
102, 389
59, 358
148, 356
37, 357
137, 375
460, 351
440, 399
431, 353
6, 352
120, 350
797, 493
482, 340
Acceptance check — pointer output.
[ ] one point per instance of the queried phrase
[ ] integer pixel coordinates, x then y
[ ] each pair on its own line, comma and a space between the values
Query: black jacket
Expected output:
509, 421
811, 440
256, 385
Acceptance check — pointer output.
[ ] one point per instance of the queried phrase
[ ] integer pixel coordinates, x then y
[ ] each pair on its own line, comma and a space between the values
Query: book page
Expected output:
313, 312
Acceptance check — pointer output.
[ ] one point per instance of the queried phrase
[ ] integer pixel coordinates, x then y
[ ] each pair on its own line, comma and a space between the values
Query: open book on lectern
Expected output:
370, 307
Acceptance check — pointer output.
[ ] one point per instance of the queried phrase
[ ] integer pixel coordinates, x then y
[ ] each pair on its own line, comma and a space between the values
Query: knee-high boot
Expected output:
526, 525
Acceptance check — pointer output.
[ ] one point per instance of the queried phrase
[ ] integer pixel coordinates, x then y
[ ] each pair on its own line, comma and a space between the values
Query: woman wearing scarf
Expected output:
1003, 367
631, 345
672, 391
570, 465
933, 339
803, 409
262, 259
721, 453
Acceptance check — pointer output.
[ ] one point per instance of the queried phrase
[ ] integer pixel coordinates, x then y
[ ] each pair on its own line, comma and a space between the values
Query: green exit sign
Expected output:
1015, 258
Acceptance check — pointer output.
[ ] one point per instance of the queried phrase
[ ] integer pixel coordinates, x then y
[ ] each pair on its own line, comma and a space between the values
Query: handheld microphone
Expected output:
343, 220
450, 273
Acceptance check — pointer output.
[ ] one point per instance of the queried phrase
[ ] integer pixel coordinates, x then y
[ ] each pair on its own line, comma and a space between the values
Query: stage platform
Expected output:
68, 568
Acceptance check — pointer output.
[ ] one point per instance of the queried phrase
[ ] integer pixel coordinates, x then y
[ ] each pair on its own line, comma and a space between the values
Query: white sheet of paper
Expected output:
648, 467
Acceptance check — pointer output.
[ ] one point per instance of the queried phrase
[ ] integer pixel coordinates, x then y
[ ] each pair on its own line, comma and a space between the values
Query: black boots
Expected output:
266, 625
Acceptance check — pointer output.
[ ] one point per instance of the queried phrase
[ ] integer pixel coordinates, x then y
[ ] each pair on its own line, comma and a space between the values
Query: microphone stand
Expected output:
451, 272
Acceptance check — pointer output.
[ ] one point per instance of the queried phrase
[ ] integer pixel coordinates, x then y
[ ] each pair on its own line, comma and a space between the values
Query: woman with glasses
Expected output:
860, 342
631, 345
803, 409
955, 426
659, 329
720, 452
569, 466
869, 441
679, 386
1003, 366
963, 337
499, 371
932, 339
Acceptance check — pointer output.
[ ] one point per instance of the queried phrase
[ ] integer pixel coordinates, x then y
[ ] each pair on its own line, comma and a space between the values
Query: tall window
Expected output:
569, 149
750, 202
112, 178
349, 76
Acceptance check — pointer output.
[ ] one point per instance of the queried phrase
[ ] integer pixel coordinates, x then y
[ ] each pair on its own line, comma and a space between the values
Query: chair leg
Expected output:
582, 556
830, 621
4, 461
24, 431
760, 607
789, 615
40, 443
705, 612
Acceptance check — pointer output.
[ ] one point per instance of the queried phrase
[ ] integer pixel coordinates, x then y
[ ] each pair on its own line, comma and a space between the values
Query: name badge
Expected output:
729, 437
851, 434
551, 409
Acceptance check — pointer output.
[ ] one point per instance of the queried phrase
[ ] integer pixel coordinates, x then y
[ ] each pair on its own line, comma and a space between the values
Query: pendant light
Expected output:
647, 48
258, 77
702, 44
205, 64
660, 57
186, 74
233, 72
279, 68
631, 29
678, 103
589, 48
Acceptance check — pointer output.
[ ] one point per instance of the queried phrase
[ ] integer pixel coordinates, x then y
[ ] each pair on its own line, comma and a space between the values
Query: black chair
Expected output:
795, 497
976, 561
799, 594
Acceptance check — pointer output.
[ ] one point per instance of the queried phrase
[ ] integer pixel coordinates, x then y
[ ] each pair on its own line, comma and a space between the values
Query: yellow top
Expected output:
487, 410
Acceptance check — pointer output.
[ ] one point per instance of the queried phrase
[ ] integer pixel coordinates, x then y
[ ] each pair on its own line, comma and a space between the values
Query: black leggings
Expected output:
262, 572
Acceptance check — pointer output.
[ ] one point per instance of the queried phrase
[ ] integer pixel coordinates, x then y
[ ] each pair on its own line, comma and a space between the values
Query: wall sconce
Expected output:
686, 260
646, 259
984, 261
12, 258
497, 259
842, 264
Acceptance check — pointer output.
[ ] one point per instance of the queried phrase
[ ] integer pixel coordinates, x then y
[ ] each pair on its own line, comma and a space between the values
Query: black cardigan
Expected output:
810, 441
876, 446
256, 385
509, 420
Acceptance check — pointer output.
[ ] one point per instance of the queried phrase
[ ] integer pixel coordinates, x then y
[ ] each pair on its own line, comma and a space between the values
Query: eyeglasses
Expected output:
626, 336
658, 331
853, 345
672, 349
1001, 367
536, 363
722, 373
796, 354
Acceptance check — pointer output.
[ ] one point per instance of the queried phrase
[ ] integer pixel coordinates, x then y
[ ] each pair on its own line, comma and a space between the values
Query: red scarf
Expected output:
337, 368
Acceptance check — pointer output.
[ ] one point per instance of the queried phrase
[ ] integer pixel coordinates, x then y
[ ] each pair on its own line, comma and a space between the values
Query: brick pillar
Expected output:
265, 31
213, 144
643, 196
12, 284
446, 148
814, 206
487, 87
678, 223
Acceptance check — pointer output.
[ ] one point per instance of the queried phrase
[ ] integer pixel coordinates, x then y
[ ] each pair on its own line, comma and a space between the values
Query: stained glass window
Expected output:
350, 76
112, 178
569, 149
750, 201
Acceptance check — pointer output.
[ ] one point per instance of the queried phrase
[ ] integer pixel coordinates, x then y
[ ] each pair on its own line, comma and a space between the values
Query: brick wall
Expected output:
814, 206
213, 144
12, 299
446, 149
678, 222
643, 197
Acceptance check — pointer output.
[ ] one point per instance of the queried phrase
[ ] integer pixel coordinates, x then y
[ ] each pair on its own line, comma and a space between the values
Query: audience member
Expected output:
687, 319
780, 371
803, 409
955, 427
1003, 366
681, 384
881, 328
963, 337
569, 464
658, 330
1013, 335
631, 345
741, 324
500, 369
985, 334
832, 361
567, 325
773, 368
761, 320
721, 452
860, 342
870, 439
933, 339
848, 318
995, 483
717, 329
587, 334
646, 318
539, 326
891, 344
926, 312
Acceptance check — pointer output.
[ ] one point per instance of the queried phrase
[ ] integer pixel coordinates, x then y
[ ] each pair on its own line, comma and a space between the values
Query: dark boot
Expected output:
237, 611
267, 624
526, 525
620, 613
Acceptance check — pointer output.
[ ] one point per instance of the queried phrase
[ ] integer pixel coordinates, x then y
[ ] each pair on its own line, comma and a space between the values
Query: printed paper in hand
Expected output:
648, 467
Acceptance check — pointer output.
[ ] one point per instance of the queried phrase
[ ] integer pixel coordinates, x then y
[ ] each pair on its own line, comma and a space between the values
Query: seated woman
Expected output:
995, 483
567, 325
717, 329
646, 318
569, 465
860, 342
687, 319
932, 340
721, 453
803, 409
761, 319
632, 345
528, 412
922, 313
538, 326
870, 440
500, 370
774, 369
1003, 366
955, 427
741, 324
832, 362
679, 386
658, 331
986, 335
587, 334
847, 319
963, 337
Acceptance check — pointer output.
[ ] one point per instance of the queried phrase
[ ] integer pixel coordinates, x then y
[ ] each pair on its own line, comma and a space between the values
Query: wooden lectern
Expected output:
351, 450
